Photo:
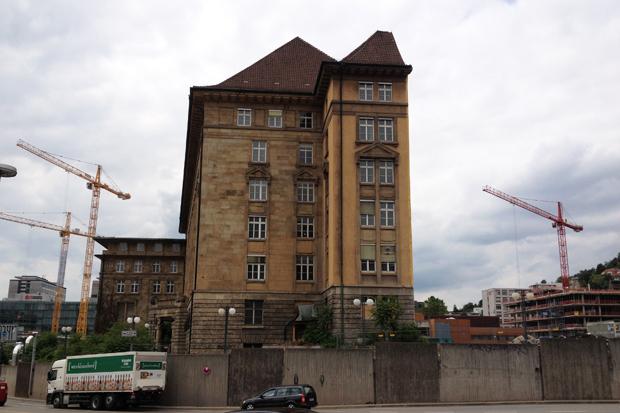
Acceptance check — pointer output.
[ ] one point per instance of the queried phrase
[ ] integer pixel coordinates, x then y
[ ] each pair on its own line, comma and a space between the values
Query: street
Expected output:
28, 406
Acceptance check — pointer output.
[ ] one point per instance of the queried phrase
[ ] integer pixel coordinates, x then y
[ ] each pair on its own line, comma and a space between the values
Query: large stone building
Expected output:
296, 191
143, 277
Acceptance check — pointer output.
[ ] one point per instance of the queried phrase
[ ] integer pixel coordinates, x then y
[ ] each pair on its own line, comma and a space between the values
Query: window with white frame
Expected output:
274, 118
120, 286
257, 227
386, 130
305, 268
258, 189
367, 258
388, 258
387, 213
366, 129
305, 154
174, 267
140, 247
365, 90
156, 266
367, 171
305, 191
367, 213
244, 117
119, 266
135, 287
305, 227
256, 267
156, 287
386, 172
169, 287
137, 266
259, 151
253, 312
385, 92
305, 120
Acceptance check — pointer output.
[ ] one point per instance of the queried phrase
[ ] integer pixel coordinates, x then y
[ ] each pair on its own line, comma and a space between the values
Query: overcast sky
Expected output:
523, 96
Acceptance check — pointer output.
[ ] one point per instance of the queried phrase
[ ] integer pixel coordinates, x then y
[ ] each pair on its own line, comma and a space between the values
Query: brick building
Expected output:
142, 277
296, 192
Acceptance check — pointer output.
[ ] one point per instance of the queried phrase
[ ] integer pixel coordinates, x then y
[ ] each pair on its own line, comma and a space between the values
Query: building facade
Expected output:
142, 277
296, 192
32, 288
37, 315
495, 303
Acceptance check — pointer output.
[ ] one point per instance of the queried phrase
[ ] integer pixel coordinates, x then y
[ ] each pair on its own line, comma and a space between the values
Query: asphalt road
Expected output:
27, 406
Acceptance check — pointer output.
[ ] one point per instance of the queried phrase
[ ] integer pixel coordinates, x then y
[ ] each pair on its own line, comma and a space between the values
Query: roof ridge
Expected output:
379, 48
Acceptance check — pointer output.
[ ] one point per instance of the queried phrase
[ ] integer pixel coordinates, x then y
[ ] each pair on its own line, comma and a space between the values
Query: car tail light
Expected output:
303, 398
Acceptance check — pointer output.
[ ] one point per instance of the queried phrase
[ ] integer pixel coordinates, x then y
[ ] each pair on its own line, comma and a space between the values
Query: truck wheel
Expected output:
57, 401
110, 401
96, 402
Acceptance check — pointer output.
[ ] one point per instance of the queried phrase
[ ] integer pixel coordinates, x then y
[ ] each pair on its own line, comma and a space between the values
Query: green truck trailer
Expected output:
109, 381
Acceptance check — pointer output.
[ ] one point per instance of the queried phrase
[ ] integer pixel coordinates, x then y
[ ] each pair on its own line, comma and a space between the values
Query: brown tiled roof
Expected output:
293, 67
379, 49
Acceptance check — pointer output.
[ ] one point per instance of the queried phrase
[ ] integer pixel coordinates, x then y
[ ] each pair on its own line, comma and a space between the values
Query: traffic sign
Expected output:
129, 333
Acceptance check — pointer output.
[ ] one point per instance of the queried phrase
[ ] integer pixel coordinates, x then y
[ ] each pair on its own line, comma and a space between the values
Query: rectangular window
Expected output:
305, 227
365, 89
367, 213
259, 151
305, 191
274, 118
367, 256
169, 287
156, 287
385, 92
367, 171
176, 247
244, 117
120, 287
256, 267
135, 287
387, 213
122, 246
258, 190
388, 258
366, 129
305, 120
158, 247
173, 267
257, 227
305, 154
119, 266
305, 268
254, 312
137, 266
386, 130
156, 266
140, 246
386, 172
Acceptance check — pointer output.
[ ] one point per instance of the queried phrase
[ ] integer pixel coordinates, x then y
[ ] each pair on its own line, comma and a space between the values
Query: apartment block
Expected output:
495, 303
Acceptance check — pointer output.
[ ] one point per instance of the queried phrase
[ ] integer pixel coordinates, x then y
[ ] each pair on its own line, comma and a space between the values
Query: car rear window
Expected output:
308, 389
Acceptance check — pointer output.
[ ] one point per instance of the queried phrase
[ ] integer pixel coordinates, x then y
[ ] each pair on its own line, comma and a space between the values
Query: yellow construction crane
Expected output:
95, 185
64, 232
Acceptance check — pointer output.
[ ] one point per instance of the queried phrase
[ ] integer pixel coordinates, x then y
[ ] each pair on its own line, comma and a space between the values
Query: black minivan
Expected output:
299, 395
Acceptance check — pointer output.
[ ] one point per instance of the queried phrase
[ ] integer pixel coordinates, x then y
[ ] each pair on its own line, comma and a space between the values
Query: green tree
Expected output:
408, 332
599, 282
434, 307
386, 312
318, 332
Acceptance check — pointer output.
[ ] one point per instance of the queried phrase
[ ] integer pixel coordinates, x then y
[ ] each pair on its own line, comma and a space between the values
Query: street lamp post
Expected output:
65, 332
359, 303
133, 322
7, 171
523, 296
226, 311
33, 338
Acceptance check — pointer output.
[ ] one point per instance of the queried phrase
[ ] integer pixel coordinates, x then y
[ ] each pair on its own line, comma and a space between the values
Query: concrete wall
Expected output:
252, 370
614, 361
577, 369
406, 372
326, 370
188, 385
39, 381
476, 373
9, 374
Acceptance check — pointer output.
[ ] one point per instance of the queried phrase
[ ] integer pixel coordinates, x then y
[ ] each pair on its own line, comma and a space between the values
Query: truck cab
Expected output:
55, 381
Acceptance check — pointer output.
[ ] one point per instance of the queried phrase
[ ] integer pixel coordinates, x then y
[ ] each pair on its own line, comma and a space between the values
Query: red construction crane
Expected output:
559, 222
95, 185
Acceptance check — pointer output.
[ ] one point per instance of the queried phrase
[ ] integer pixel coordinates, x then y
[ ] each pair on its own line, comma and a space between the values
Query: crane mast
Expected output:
95, 185
558, 222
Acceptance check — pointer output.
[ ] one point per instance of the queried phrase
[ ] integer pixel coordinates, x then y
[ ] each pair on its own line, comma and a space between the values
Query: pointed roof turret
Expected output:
379, 49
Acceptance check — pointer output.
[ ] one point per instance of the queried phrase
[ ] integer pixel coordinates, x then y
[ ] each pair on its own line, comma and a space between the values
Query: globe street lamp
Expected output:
359, 303
133, 322
7, 171
523, 296
226, 311
65, 332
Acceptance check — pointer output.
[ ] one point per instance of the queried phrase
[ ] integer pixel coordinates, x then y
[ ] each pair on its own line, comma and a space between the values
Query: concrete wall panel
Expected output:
9, 374
577, 369
476, 373
187, 385
252, 370
39, 380
406, 372
614, 360
338, 376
